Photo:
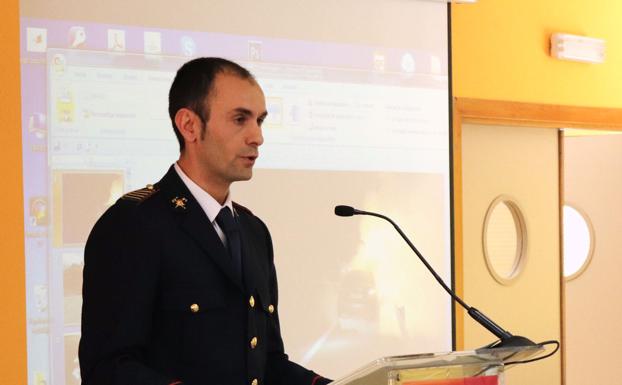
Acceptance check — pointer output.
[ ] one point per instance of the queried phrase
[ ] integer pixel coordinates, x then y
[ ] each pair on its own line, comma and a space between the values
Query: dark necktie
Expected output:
230, 227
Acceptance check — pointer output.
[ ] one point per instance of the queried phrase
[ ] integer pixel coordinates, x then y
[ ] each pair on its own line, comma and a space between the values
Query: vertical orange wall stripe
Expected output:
458, 255
12, 279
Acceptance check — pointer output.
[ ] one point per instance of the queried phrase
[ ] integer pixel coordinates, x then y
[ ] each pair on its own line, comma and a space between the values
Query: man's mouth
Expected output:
250, 158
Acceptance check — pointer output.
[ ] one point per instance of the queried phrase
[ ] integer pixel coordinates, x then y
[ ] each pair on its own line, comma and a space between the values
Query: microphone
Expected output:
345, 211
506, 338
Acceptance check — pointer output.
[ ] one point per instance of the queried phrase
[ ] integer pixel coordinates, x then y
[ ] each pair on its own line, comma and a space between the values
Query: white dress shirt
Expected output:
210, 206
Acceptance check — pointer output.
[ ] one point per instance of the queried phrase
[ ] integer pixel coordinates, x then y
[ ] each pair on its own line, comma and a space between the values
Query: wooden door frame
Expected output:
508, 113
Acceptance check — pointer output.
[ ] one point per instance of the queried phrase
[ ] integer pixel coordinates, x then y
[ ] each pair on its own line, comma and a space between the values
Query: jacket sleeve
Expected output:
119, 290
280, 370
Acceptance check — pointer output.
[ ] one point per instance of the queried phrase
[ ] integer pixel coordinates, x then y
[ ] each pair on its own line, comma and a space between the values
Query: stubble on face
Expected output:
229, 140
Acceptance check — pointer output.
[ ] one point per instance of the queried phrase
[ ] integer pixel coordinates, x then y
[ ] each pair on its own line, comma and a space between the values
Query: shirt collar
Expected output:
206, 201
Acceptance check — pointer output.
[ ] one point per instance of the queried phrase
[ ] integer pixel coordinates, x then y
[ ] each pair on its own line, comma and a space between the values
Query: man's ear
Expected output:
189, 124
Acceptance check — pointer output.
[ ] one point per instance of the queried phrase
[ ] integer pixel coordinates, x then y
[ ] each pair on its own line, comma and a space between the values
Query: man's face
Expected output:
229, 146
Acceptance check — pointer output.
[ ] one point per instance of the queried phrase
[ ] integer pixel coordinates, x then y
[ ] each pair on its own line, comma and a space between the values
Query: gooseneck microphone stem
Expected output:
507, 339
421, 258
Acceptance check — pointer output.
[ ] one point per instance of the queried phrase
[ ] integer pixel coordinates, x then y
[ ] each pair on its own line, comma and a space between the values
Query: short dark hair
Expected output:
194, 83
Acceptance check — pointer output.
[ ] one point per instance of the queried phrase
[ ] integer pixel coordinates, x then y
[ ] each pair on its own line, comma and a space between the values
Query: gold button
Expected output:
255, 382
194, 308
253, 342
149, 187
251, 301
271, 309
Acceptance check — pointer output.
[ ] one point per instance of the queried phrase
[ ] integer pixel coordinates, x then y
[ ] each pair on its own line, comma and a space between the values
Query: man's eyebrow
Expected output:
247, 112
241, 110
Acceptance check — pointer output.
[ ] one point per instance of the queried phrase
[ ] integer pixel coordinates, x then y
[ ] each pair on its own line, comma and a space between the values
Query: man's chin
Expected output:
241, 177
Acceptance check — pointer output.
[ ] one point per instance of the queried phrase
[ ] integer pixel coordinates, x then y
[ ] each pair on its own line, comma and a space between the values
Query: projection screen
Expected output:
357, 94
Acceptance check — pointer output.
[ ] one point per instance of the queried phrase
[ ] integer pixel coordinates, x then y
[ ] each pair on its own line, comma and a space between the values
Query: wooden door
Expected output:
520, 163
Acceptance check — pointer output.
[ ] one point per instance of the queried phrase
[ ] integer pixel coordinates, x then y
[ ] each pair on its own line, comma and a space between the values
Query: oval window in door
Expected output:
504, 239
578, 236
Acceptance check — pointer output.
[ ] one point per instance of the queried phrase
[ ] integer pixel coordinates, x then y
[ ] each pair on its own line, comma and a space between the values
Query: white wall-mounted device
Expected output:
577, 48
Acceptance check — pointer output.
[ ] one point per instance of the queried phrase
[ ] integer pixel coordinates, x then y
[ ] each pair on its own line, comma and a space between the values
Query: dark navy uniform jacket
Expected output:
162, 304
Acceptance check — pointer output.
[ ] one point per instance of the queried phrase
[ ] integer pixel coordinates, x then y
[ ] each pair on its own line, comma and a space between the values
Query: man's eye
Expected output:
260, 121
240, 119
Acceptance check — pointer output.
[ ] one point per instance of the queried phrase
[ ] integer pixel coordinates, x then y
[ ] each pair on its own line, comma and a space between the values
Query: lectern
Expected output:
477, 367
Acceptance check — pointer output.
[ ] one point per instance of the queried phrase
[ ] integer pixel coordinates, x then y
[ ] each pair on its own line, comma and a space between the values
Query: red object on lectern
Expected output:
483, 380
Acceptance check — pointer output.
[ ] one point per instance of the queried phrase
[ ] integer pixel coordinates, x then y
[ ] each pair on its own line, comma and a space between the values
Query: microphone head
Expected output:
344, 211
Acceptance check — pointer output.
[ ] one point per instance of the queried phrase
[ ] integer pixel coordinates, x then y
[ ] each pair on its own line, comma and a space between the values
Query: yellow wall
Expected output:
500, 51
12, 296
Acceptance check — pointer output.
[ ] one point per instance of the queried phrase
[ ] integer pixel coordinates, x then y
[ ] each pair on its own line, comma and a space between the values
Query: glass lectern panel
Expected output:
481, 367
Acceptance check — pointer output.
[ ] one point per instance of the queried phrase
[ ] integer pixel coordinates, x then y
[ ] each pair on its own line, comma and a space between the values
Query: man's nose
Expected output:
255, 136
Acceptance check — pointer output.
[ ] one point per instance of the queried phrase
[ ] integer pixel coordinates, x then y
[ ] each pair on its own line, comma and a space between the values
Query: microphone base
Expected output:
514, 341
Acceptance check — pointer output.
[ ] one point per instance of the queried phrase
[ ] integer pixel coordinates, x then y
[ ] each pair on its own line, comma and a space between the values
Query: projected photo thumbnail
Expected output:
80, 198
73, 264
72, 367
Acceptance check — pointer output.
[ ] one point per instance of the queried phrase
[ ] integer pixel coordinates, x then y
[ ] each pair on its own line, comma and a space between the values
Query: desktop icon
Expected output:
254, 50
188, 46
40, 378
36, 39
58, 64
65, 107
77, 37
41, 298
153, 42
37, 125
408, 63
380, 62
38, 211
116, 40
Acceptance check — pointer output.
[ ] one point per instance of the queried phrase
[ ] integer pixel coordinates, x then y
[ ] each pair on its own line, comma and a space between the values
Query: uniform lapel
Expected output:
195, 223
255, 273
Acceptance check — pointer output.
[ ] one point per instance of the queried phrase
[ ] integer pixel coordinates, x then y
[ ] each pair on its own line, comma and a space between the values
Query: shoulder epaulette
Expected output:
141, 195
240, 208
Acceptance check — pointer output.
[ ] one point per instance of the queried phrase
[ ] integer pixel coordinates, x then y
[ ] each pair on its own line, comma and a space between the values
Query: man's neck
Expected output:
217, 191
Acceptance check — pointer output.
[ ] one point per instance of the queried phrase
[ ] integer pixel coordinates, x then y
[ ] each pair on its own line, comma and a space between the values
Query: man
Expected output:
179, 282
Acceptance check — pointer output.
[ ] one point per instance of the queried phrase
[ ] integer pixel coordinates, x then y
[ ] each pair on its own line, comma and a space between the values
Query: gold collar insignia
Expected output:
180, 203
